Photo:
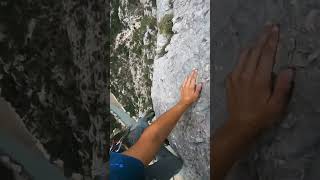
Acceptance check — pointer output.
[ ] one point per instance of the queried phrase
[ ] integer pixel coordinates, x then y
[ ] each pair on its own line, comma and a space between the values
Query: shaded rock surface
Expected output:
289, 150
188, 48
53, 71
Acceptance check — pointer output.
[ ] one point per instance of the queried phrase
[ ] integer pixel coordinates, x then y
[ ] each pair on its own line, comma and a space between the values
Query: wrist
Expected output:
243, 128
183, 105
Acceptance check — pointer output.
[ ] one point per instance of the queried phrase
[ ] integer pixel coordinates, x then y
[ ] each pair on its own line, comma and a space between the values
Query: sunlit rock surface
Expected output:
187, 48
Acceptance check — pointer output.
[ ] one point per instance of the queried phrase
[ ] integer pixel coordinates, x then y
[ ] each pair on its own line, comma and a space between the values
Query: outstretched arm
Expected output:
151, 139
254, 101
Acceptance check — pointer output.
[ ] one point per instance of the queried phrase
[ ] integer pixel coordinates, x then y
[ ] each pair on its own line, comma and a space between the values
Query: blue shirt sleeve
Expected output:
124, 167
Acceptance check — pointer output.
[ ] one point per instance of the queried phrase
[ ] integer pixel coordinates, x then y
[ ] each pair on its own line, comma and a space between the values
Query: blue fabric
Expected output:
124, 167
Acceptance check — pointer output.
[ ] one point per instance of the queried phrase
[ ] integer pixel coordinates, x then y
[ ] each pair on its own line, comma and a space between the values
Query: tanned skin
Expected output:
254, 101
153, 137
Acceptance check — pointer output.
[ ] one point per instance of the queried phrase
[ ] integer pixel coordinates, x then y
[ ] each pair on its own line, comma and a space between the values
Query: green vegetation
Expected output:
165, 25
134, 7
165, 28
148, 21
145, 22
116, 25
138, 34
121, 83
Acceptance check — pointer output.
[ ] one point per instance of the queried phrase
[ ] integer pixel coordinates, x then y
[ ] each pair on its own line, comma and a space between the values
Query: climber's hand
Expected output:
154, 136
253, 99
190, 90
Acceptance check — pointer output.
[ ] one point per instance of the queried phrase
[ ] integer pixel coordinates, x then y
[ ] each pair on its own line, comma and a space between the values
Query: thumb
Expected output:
282, 89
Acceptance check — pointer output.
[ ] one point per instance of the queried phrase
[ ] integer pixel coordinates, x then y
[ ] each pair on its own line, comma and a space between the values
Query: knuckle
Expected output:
244, 77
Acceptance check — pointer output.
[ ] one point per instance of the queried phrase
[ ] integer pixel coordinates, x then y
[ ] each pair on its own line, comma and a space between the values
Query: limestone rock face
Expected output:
188, 48
289, 150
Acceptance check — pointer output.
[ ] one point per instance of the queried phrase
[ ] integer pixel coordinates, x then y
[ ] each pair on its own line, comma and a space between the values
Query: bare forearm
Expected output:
229, 143
151, 139
153, 136
161, 128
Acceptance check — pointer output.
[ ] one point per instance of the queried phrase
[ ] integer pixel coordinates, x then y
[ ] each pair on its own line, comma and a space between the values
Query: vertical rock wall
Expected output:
289, 150
188, 47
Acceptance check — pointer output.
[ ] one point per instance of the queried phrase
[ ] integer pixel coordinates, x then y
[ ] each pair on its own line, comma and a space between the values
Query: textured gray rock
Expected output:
189, 48
287, 151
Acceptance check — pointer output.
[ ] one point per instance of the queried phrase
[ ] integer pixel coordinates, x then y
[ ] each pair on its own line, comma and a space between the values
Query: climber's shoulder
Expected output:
123, 167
